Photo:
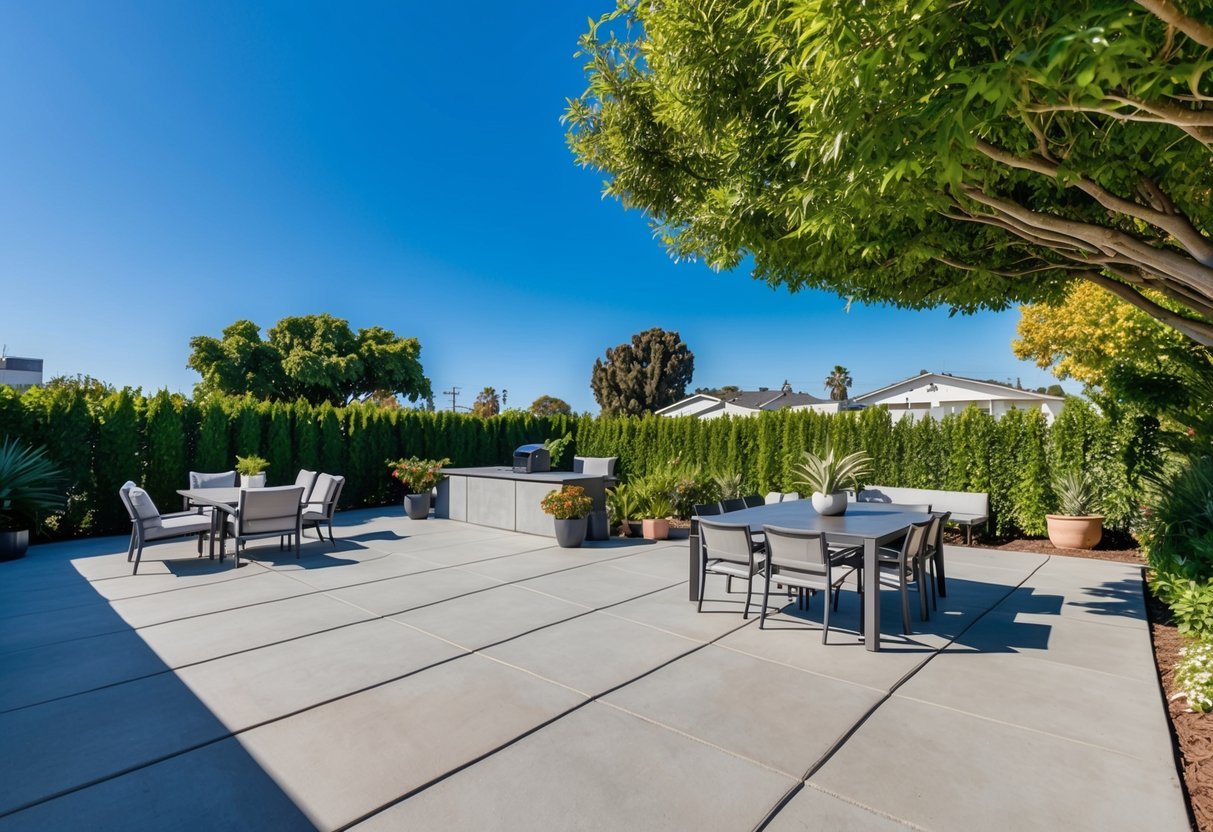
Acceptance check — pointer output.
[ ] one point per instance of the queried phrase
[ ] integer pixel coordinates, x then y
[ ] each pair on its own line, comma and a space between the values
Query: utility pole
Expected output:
453, 392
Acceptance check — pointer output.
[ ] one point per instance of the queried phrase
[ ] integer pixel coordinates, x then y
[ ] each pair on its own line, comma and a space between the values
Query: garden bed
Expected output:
1122, 549
1191, 733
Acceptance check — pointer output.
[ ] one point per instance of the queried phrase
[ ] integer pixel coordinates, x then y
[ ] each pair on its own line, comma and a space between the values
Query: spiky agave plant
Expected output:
831, 472
30, 484
1076, 493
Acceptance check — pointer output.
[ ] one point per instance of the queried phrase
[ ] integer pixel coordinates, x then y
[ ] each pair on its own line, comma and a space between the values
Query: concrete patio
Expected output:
432, 674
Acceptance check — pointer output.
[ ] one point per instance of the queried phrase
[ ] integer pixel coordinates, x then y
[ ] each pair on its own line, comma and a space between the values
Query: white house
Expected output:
749, 403
939, 394
20, 373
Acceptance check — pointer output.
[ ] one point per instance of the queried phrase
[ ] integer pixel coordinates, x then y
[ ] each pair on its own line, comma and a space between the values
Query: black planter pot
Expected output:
417, 506
13, 545
570, 534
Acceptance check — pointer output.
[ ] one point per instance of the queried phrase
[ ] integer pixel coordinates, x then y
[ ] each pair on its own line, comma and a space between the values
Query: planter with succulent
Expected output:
252, 470
657, 511
622, 506
1078, 525
570, 509
418, 476
30, 485
827, 476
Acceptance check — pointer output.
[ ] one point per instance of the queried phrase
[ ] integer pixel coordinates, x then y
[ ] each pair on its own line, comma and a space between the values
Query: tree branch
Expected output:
1199, 331
1168, 13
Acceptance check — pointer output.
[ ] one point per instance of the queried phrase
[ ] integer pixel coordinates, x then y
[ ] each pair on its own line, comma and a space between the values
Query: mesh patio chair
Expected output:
904, 566
801, 559
753, 501
727, 549
148, 524
322, 505
789, 496
933, 555
265, 512
732, 504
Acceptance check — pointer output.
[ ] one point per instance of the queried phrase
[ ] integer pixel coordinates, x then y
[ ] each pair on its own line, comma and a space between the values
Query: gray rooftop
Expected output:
433, 675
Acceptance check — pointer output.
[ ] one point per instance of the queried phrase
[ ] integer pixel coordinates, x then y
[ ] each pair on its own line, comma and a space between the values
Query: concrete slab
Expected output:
593, 653
395, 595
597, 586
668, 610
770, 713
660, 561
372, 567
492, 616
597, 769
532, 564
984, 774
259, 685
382, 743
23, 632
174, 605
812, 810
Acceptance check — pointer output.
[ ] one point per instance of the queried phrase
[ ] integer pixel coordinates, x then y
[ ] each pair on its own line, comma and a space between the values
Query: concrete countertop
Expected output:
502, 472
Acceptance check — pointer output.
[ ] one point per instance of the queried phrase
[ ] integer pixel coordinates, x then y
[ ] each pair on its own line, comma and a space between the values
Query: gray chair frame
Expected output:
732, 560
234, 526
811, 568
904, 566
753, 501
143, 531
327, 508
934, 555
732, 504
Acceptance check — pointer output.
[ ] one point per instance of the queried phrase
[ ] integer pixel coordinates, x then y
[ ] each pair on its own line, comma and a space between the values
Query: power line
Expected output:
453, 393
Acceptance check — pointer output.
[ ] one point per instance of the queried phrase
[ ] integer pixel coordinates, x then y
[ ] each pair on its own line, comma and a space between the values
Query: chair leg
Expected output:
862, 600
138, 556
703, 576
332, 539
749, 591
905, 606
728, 584
130, 550
825, 624
766, 595
921, 588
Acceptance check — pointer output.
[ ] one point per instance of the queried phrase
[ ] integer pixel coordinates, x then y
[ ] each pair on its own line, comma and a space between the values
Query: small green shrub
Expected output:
1191, 602
1194, 676
251, 465
622, 506
1178, 529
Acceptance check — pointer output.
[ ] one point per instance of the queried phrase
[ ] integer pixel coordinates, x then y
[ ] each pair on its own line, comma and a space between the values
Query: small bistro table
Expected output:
870, 525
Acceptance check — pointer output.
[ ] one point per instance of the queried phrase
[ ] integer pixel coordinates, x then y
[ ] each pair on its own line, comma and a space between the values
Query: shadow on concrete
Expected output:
617, 543
137, 750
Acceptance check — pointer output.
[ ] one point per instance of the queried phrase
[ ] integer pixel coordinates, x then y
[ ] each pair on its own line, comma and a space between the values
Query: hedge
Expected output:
155, 440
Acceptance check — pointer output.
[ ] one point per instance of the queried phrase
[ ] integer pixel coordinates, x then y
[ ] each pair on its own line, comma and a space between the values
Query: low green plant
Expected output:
556, 448
570, 502
417, 475
622, 506
659, 506
251, 465
1194, 676
731, 484
30, 485
831, 472
1177, 527
1077, 494
1191, 602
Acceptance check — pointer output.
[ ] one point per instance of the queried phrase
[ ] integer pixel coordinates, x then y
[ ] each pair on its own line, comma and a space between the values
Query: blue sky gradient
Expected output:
168, 168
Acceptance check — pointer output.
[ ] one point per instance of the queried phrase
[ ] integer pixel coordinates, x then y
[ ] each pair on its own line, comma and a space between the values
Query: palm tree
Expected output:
487, 404
838, 382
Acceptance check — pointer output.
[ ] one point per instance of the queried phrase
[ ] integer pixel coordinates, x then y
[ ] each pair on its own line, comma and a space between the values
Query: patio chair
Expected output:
753, 501
790, 496
599, 466
225, 479
933, 555
773, 497
901, 567
148, 524
307, 479
727, 549
322, 505
732, 504
801, 559
265, 512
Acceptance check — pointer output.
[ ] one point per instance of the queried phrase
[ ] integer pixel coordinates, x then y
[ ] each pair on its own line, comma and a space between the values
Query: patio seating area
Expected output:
432, 674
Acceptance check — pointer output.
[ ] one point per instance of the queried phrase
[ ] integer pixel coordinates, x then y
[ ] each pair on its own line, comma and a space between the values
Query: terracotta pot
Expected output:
828, 505
570, 533
13, 545
656, 528
417, 506
1066, 532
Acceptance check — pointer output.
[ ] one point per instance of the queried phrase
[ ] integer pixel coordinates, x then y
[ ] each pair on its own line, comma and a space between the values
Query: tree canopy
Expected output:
550, 406
839, 382
968, 153
487, 403
317, 358
650, 372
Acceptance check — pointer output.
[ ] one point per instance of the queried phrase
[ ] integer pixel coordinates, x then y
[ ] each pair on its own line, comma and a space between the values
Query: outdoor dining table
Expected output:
221, 499
870, 525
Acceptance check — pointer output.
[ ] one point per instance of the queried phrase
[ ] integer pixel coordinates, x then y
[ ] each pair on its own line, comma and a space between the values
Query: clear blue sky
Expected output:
168, 168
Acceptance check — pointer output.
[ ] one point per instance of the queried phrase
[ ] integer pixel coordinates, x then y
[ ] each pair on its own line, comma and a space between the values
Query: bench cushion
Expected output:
967, 507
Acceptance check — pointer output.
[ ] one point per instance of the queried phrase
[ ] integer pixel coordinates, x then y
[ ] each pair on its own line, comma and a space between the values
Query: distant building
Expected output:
20, 373
939, 394
750, 403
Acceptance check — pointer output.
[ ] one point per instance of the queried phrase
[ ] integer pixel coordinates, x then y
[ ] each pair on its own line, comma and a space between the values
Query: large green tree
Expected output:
650, 372
550, 406
317, 358
969, 153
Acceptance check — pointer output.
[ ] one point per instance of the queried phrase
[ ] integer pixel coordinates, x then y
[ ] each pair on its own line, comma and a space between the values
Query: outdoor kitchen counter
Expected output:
503, 499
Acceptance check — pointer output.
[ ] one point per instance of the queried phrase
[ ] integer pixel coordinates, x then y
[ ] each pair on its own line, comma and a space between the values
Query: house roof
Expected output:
751, 400
948, 377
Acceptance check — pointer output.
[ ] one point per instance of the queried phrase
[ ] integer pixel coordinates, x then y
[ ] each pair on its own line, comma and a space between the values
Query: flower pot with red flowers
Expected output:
418, 476
570, 509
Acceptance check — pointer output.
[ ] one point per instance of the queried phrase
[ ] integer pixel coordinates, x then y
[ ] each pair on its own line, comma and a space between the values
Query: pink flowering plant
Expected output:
569, 503
417, 475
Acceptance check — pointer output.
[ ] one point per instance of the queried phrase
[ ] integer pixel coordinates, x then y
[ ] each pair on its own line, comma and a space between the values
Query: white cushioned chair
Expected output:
148, 524
265, 512
307, 479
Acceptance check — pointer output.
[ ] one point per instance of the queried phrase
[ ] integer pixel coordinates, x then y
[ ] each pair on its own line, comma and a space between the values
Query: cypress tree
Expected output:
165, 469
278, 445
307, 437
212, 452
115, 458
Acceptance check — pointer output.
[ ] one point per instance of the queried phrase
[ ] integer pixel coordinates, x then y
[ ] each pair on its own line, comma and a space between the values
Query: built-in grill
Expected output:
532, 459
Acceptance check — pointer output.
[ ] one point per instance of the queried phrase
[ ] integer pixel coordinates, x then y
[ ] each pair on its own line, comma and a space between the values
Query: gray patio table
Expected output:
220, 499
870, 525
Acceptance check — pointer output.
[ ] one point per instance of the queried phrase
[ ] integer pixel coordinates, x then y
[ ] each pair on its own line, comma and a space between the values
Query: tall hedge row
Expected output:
155, 440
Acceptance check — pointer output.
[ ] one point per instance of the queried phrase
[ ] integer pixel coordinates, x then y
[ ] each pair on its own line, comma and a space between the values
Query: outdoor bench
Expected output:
968, 508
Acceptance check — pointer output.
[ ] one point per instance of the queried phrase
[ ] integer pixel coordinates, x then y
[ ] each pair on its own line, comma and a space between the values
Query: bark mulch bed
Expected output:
1118, 548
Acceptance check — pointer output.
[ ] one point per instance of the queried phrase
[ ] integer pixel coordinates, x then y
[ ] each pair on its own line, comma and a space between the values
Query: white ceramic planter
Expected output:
829, 504
252, 480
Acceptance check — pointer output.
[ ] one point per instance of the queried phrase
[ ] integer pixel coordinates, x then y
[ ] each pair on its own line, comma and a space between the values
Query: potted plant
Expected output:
419, 476
29, 484
252, 470
570, 507
622, 506
827, 476
656, 522
1078, 525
